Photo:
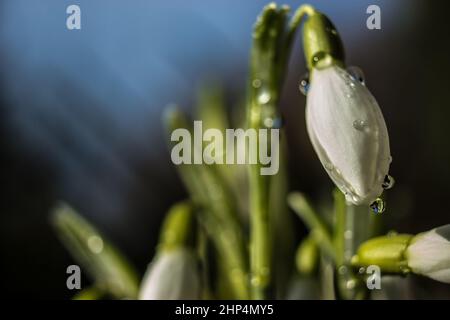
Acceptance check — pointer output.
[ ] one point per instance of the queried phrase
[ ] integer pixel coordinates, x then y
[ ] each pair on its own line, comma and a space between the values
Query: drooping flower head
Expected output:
429, 254
173, 273
344, 121
426, 254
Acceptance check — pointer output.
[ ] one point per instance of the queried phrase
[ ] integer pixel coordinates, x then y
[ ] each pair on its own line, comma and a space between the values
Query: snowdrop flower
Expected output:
173, 275
344, 121
429, 254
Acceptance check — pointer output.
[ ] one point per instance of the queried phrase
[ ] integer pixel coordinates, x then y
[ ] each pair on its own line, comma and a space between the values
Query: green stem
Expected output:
272, 43
352, 225
217, 213
319, 230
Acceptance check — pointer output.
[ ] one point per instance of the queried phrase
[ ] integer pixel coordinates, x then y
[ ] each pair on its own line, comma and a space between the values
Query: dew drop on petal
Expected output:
359, 124
388, 182
304, 84
356, 74
328, 166
378, 206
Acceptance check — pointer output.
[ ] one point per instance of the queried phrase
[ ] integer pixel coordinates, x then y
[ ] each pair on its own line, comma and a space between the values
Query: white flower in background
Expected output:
173, 275
429, 254
348, 132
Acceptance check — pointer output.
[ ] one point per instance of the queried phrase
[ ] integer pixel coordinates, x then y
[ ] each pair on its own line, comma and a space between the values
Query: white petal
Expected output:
173, 275
348, 132
429, 254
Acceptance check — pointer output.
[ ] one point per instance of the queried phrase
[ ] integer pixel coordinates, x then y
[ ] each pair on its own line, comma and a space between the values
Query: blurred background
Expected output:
80, 116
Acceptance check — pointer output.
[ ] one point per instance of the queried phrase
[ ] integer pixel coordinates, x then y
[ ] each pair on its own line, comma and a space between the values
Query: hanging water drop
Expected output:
304, 84
378, 206
388, 182
356, 74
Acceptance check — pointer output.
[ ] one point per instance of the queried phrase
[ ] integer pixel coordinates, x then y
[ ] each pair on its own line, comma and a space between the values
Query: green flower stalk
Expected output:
217, 214
322, 44
272, 44
266, 71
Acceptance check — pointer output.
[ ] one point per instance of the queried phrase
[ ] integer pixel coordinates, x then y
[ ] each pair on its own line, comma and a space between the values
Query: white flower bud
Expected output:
429, 254
348, 132
173, 275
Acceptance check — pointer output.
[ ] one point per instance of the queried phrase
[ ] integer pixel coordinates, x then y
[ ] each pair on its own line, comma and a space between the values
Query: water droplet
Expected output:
362, 270
278, 123
391, 233
304, 84
268, 122
256, 83
256, 281
328, 166
264, 97
342, 270
356, 74
95, 244
348, 234
388, 182
350, 284
359, 124
378, 206
321, 56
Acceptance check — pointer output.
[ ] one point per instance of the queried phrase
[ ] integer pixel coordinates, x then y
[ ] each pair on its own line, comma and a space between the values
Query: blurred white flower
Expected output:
173, 275
429, 254
348, 132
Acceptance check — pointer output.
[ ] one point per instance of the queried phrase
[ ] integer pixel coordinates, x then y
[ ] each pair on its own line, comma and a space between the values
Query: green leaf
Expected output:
110, 271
